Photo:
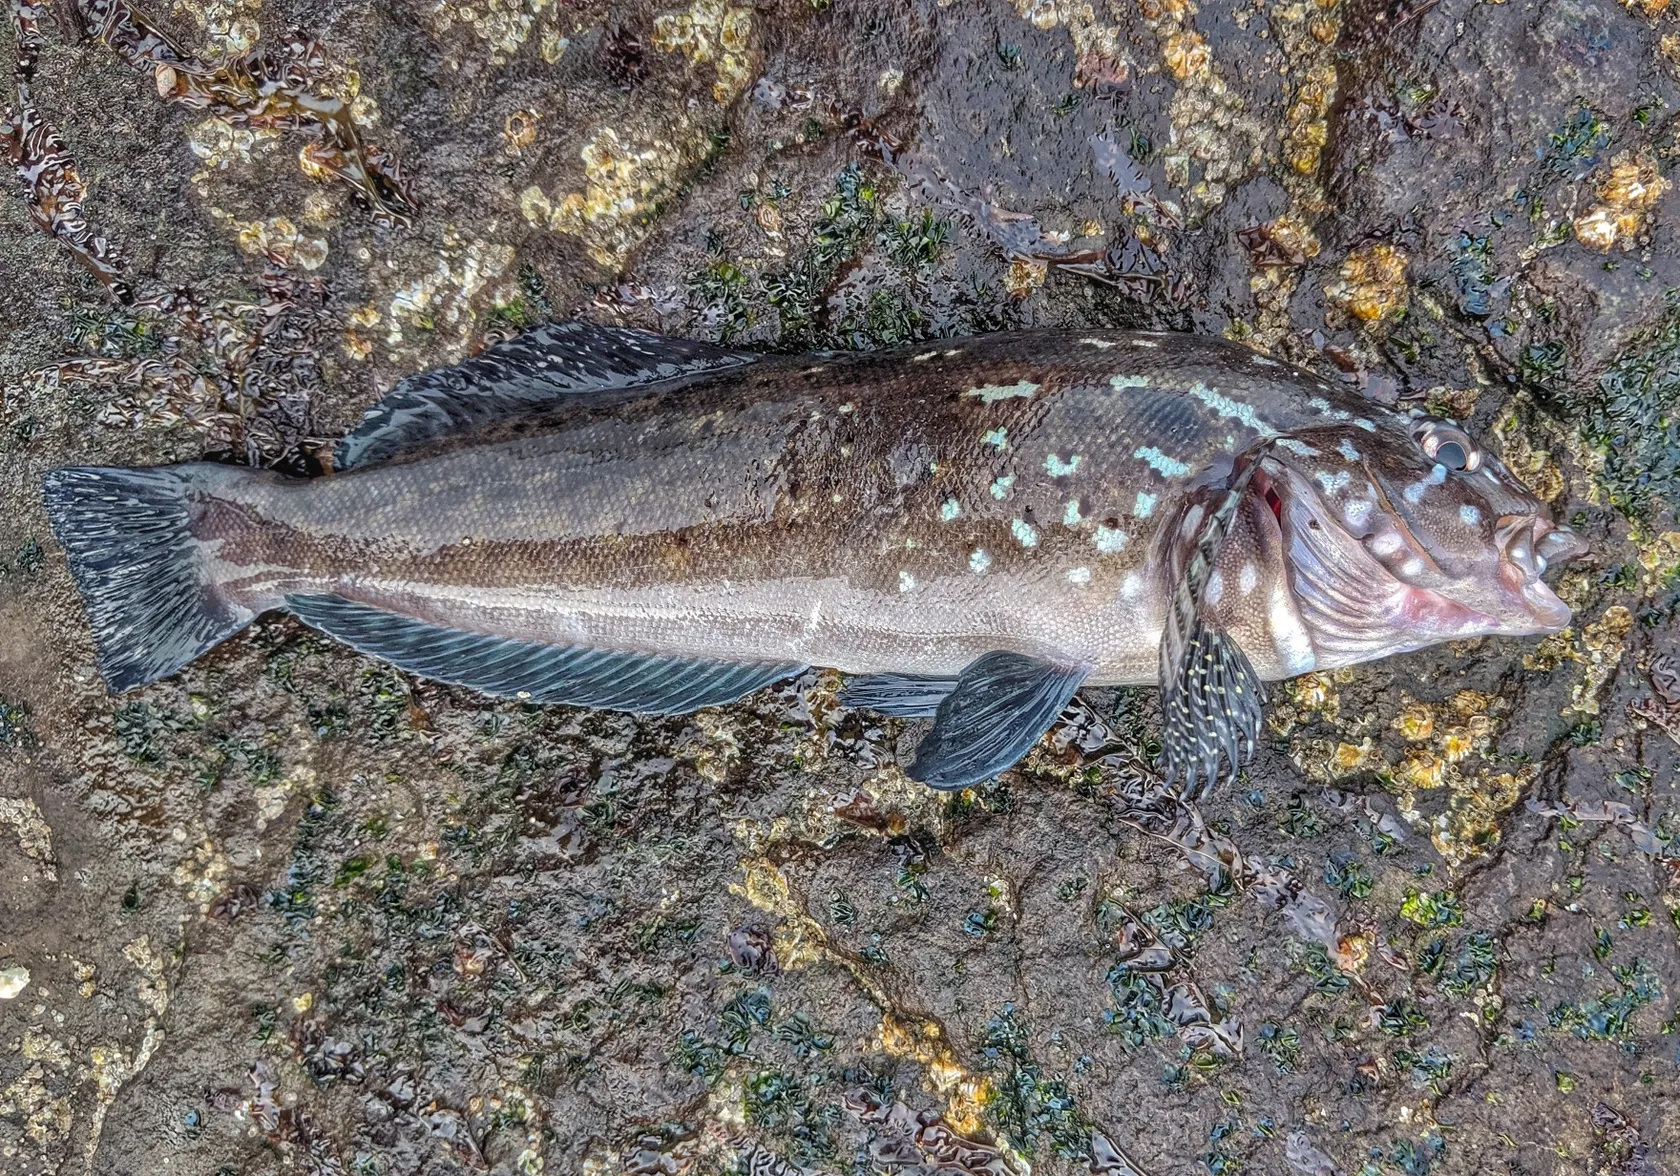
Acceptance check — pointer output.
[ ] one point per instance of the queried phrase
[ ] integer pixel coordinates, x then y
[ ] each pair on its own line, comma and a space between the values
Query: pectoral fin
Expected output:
1210, 695
1000, 706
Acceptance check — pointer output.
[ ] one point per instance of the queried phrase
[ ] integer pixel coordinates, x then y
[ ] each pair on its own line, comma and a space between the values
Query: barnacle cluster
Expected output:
1371, 283
1102, 57
622, 179
1216, 140
711, 32
1627, 195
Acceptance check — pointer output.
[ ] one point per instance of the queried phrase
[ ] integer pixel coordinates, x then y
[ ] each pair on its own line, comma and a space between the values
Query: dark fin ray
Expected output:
528, 670
523, 375
903, 696
1002, 703
144, 578
1211, 698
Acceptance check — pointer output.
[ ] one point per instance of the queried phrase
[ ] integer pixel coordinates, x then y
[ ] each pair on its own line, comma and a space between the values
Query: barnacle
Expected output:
1627, 195
1371, 284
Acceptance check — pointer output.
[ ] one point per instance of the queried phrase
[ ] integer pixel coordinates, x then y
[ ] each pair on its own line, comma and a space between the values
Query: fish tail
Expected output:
146, 580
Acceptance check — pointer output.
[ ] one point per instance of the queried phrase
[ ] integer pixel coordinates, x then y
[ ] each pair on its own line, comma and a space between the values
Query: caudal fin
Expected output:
144, 578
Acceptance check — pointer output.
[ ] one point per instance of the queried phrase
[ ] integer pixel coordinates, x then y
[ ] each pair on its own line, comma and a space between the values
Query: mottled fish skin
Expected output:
910, 510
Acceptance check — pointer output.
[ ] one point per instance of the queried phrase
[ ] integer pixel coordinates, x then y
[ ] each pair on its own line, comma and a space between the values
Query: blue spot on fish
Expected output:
1145, 505
1110, 539
950, 511
1469, 515
1057, 468
1025, 533
992, 393
1169, 467
997, 438
1000, 487
979, 562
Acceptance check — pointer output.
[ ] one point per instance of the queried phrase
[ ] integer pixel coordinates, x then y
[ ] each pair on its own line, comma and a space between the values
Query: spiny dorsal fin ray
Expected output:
1001, 703
524, 374
567, 674
1211, 698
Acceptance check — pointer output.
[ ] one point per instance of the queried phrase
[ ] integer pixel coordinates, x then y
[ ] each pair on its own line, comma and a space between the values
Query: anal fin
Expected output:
1001, 704
903, 696
566, 674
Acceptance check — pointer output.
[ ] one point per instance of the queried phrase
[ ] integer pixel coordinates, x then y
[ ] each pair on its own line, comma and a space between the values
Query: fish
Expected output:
971, 530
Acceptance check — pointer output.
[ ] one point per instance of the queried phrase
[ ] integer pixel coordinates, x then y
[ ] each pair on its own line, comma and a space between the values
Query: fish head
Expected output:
1407, 533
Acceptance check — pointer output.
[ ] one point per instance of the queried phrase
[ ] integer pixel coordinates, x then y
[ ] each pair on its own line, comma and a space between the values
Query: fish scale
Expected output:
607, 517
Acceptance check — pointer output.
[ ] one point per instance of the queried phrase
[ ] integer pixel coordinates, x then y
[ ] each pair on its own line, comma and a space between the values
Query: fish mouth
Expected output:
1530, 545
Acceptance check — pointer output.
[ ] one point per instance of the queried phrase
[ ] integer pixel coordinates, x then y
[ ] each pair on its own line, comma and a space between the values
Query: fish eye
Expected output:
1448, 445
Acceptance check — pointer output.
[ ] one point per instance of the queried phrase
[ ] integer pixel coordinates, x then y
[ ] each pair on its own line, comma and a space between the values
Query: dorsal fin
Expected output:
526, 373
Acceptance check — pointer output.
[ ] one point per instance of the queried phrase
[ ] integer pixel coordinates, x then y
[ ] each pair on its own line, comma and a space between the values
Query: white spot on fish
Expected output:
1346, 449
1469, 515
979, 561
1079, 575
1057, 468
1230, 409
1334, 482
1437, 474
999, 438
846, 408
1365, 424
1131, 586
1215, 590
950, 351
1288, 634
923, 357
1000, 487
1295, 446
1358, 512
1412, 567
1110, 539
1121, 383
1143, 343
1248, 579
1145, 505
1263, 360
992, 393
1322, 407
1415, 492
821, 367
1103, 344
906, 582
836, 498
1025, 534
1169, 467
950, 510
1070, 514
815, 619
1387, 543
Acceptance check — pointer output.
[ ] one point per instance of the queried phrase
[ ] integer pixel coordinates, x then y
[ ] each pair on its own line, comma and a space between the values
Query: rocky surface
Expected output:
292, 911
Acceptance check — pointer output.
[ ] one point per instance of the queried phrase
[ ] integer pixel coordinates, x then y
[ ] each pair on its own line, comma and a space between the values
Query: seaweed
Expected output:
52, 187
263, 89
